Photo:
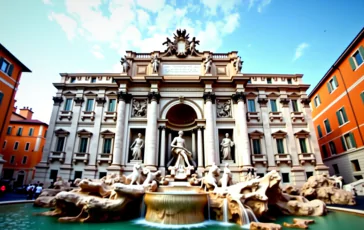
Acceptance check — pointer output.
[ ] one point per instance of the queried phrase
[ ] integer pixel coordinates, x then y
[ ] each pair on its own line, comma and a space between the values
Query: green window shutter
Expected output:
1, 97
339, 117
352, 63
319, 131
328, 87
335, 80
361, 51
318, 95
352, 139
10, 70
344, 115
362, 97
343, 143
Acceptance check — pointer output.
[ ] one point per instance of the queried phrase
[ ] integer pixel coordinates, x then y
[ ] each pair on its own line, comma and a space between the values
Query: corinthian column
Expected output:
151, 133
242, 132
119, 134
210, 152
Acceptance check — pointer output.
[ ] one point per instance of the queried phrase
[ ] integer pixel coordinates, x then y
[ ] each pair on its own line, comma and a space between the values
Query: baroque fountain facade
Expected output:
187, 133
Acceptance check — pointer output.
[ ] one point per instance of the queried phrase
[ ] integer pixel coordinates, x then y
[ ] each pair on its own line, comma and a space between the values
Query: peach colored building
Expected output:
337, 110
22, 146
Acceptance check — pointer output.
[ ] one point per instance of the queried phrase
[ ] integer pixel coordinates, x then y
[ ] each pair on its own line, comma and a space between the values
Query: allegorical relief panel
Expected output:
223, 108
139, 108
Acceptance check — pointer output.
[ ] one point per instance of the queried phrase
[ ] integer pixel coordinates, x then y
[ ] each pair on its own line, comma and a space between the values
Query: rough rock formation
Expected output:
299, 223
264, 226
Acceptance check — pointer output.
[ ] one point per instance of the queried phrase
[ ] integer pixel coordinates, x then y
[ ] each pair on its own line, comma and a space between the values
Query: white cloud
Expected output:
153, 6
300, 50
263, 4
96, 51
226, 6
68, 25
47, 2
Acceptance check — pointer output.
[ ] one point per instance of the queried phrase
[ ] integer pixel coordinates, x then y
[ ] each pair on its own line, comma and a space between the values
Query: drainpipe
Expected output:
351, 104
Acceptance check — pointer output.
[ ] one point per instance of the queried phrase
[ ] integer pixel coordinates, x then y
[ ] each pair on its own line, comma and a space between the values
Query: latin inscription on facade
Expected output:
170, 69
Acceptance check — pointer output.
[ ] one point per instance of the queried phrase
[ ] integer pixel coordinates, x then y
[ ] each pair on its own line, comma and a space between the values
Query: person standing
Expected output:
30, 191
38, 190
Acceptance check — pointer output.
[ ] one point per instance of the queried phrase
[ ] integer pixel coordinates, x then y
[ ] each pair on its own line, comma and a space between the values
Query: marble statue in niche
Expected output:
124, 64
139, 108
208, 64
155, 63
238, 64
136, 147
223, 108
226, 145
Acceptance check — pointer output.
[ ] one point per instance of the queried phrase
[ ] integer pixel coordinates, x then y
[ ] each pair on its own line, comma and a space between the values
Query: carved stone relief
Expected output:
223, 108
139, 108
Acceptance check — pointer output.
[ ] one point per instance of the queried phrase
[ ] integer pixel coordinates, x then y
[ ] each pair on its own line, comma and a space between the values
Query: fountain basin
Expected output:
175, 205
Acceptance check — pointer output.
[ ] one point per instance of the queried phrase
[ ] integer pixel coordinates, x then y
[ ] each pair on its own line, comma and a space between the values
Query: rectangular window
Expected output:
273, 105
358, 58
324, 151
112, 105
93, 79
102, 174
327, 126
295, 106
285, 177
309, 174
73, 79
68, 104
4, 145
341, 116
78, 175
317, 100
362, 97
20, 131
83, 145
269, 80
256, 146
336, 169
6, 67
251, 105
27, 145
348, 141
319, 131
289, 81
60, 144
332, 148
280, 147
356, 166
332, 84
8, 132
31, 131
107, 145
45, 134
303, 145
90, 105
16, 145
12, 159
24, 161
53, 175
1, 97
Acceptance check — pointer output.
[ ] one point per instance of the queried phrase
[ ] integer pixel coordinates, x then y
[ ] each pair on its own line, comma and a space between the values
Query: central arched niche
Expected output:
181, 116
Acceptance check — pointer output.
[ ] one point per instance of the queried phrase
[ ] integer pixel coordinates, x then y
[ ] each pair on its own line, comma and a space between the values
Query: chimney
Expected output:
26, 112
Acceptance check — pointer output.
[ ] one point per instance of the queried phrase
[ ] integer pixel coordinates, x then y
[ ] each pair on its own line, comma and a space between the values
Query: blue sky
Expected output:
271, 36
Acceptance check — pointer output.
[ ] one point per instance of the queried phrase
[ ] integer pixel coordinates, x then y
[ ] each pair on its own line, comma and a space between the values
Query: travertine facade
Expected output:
96, 117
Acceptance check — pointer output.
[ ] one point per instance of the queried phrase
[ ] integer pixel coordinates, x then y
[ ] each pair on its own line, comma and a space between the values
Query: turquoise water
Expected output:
20, 216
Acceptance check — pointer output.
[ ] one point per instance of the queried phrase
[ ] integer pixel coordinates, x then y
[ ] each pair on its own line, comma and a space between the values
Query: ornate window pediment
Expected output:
294, 95
107, 133
251, 95
84, 133
61, 132
302, 133
69, 94
112, 94
256, 134
279, 134
272, 95
90, 94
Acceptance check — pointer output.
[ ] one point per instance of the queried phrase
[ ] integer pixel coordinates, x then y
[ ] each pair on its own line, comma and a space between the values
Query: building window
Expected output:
24, 161
348, 141
356, 166
53, 175
6, 67
45, 134
83, 145
303, 145
289, 81
309, 174
60, 144
273, 105
112, 105
280, 147
285, 177
362, 97
295, 105
324, 151
102, 174
256, 146
89, 105
93, 79
107, 145
73, 79
4, 145
357, 59
78, 175
336, 169
31, 131
12, 159
332, 84
68, 104
8, 132
327, 126
16, 145
1, 97
269, 80
317, 100
27, 145
20, 131
332, 148
319, 131
113, 80
341, 116
251, 105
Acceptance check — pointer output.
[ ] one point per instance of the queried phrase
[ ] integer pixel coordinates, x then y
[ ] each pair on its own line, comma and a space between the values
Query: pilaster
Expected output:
210, 152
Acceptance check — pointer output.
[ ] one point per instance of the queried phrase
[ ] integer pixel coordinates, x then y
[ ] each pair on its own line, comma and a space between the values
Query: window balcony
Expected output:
88, 115
104, 158
306, 158
295, 116
282, 158
57, 156
275, 116
65, 114
81, 157
259, 158
110, 115
253, 116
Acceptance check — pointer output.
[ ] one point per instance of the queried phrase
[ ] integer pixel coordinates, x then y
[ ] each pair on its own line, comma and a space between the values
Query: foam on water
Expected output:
204, 224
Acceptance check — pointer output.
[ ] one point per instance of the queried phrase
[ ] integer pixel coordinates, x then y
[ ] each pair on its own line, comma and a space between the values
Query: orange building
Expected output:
23, 145
337, 104
10, 72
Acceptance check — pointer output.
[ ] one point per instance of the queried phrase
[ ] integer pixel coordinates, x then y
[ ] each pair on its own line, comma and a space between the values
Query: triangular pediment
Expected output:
111, 94
107, 133
84, 132
302, 133
273, 95
69, 93
61, 132
256, 133
251, 94
295, 95
89, 93
279, 133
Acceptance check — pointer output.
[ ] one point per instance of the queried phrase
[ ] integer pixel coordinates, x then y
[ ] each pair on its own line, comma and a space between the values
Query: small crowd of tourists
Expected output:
34, 190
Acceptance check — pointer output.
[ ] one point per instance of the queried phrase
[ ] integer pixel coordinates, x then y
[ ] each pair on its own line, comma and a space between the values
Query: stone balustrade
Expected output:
65, 114
275, 116
110, 116
283, 158
104, 158
295, 116
259, 158
81, 157
88, 115
60, 156
306, 157
253, 116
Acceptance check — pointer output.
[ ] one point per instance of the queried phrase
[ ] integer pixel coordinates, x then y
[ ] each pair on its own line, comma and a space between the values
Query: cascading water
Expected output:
252, 215
208, 208
142, 208
225, 211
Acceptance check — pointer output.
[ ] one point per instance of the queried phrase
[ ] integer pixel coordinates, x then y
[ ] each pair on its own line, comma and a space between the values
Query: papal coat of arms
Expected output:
181, 46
